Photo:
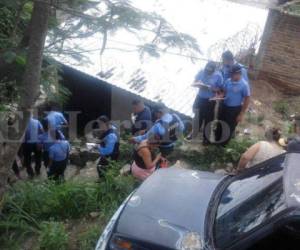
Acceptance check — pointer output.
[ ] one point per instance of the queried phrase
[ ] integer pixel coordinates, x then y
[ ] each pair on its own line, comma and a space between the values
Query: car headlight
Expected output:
104, 238
118, 243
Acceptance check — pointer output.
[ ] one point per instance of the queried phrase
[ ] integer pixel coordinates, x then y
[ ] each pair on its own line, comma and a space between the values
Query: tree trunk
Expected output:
30, 86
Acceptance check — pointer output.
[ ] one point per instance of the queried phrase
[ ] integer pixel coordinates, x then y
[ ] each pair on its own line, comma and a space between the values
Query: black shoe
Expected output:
205, 143
101, 171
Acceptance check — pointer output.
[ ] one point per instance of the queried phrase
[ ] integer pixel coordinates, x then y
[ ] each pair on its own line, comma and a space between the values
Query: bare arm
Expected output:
245, 104
147, 158
244, 109
248, 156
197, 84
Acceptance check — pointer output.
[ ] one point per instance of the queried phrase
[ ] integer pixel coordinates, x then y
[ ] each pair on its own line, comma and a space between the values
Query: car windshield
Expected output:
249, 201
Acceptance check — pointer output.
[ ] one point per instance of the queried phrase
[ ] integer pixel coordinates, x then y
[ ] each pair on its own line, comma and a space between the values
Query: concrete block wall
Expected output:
279, 55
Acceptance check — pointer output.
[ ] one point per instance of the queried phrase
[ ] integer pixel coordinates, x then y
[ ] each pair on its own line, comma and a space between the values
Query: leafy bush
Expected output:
47, 200
126, 150
53, 236
217, 154
68, 200
88, 239
114, 188
29, 206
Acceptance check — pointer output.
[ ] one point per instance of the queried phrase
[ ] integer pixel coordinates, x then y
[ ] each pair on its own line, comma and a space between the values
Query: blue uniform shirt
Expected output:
56, 119
109, 141
142, 120
226, 72
235, 92
158, 128
59, 151
214, 81
33, 130
47, 141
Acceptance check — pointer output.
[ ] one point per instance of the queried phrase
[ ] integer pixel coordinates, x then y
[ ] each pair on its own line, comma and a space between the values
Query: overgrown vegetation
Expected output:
216, 155
53, 236
41, 208
88, 239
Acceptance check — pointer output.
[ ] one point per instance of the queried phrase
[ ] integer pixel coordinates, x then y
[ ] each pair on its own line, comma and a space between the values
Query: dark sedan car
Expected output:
185, 209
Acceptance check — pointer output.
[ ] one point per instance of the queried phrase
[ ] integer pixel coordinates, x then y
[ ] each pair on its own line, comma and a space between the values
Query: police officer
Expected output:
142, 117
166, 128
46, 140
227, 63
209, 81
58, 157
55, 118
109, 146
30, 146
236, 102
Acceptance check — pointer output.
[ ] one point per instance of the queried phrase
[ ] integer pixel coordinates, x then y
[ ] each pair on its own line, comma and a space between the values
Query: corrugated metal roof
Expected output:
179, 98
175, 103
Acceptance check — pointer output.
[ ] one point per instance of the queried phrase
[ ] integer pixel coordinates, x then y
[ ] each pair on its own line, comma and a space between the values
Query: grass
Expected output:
88, 239
215, 154
41, 209
53, 236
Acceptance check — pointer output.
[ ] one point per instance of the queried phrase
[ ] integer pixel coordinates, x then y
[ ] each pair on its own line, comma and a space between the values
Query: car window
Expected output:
249, 201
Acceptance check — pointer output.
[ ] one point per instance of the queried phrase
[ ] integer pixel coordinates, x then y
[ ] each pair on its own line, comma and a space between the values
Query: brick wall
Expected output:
279, 56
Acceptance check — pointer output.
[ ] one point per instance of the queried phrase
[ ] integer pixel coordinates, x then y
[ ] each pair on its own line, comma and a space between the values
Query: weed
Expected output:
53, 236
47, 200
29, 206
88, 239
216, 154
38, 208
126, 150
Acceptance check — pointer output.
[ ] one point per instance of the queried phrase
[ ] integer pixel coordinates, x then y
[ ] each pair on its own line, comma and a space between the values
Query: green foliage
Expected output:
126, 150
32, 207
216, 154
283, 108
234, 150
53, 236
51, 86
14, 17
88, 239
79, 19
10, 242
47, 200
292, 8
114, 188
109, 17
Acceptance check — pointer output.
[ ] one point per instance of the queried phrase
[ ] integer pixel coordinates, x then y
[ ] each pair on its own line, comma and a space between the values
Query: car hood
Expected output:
168, 207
